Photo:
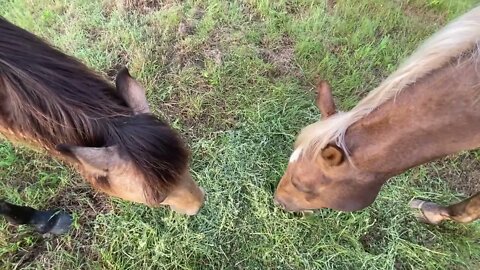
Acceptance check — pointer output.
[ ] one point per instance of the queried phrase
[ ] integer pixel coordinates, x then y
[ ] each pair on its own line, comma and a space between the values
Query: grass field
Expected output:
236, 78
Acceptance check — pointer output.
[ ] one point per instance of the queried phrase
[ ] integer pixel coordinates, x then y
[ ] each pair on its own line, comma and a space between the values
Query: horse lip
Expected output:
293, 211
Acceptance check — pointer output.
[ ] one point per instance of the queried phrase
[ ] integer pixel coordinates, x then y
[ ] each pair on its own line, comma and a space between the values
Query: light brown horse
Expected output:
53, 102
427, 109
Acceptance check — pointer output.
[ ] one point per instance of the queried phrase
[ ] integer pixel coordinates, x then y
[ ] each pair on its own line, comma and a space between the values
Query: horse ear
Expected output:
93, 158
324, 100
332, 154
132, 92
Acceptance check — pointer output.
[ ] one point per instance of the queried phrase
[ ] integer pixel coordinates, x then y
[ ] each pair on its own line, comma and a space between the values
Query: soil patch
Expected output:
88, 206
82, 201
281, 57
142, 6
373, 240
331, 5
121, 62
424, 13
462, 172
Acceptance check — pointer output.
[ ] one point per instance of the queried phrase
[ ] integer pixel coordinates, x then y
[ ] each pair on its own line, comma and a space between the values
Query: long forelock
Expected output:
155, 149
455, 40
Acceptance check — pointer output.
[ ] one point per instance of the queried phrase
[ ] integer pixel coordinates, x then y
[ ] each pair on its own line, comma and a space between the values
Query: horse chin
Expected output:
302, 213
297, 211
307, 212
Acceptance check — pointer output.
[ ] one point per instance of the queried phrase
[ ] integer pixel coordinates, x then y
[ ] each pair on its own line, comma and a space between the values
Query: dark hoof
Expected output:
53, 222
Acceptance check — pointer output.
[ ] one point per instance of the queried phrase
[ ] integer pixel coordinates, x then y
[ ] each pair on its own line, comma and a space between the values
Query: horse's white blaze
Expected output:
295, 155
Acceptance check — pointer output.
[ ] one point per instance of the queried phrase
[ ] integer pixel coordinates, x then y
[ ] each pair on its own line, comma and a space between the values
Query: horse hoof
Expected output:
416, 204
53, 222
428, 212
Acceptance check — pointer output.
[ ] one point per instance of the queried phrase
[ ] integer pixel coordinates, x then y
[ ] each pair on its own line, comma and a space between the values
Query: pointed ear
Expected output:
324, 100
332, 154
93, 158
132, 92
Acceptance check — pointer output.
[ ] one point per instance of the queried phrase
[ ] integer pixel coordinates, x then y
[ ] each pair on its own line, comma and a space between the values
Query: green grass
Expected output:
236, 78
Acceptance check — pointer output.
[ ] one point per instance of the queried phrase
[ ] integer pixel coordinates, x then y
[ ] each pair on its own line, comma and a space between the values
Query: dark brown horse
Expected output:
427, 109
52, 101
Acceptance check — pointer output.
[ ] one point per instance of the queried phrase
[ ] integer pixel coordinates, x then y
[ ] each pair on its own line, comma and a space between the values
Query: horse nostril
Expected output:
278, 203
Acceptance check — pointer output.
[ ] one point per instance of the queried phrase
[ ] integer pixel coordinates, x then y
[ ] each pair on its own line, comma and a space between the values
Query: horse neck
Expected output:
437, 116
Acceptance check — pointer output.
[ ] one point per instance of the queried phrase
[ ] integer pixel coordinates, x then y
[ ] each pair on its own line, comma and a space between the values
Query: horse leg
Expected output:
463, 212
51, 221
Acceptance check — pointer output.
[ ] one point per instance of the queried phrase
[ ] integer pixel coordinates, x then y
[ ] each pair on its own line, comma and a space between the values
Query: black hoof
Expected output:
54, 222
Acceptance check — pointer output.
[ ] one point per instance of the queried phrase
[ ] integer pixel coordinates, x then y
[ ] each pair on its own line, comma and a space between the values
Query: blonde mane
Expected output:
460, 36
